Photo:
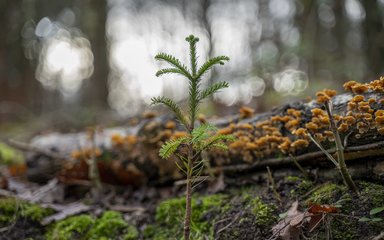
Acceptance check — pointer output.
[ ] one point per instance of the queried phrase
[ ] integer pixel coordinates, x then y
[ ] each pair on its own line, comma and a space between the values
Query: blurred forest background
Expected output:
65, 64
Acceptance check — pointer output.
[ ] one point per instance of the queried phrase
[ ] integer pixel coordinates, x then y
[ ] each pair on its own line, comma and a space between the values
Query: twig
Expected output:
40, 193
183, 182
313, 190
274, 235
273, 185
14, 217
122, 208
302, 170
229, 224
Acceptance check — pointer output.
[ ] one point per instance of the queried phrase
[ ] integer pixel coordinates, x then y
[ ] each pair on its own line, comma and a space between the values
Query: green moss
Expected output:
262, 211
170, 217
292, 179
346, 226
12, 209
373, 194
149, 231
132, 233
345, 229
110, 225
71, 228
300, 185
327, 194
9, 155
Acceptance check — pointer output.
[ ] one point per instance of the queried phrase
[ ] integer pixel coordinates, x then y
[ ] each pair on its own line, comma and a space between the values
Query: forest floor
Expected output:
229, 207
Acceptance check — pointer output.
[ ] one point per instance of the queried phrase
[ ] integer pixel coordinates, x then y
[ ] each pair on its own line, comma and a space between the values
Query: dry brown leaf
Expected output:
284, 229
296, 220
314, 221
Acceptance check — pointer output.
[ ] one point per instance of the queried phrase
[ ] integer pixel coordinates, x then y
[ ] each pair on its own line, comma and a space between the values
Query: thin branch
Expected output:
273, 185
329, 156
302, 170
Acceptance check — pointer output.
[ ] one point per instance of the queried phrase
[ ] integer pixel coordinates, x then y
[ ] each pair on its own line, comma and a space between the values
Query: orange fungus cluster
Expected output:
269, 135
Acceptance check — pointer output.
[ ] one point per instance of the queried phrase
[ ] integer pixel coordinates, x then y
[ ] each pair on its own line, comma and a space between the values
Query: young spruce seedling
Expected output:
199, 138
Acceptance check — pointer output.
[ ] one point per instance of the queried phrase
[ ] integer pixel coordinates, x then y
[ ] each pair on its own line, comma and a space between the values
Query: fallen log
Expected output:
129, 155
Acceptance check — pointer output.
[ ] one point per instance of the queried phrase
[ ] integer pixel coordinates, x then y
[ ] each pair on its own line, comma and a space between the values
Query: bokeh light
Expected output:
65, 59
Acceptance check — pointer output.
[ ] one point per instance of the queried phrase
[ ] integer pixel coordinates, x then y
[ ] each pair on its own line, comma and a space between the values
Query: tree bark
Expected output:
94, 23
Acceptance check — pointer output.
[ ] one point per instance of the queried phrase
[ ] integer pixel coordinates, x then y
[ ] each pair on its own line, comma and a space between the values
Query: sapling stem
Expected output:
340, 162
340, 151
199, 138
188, 200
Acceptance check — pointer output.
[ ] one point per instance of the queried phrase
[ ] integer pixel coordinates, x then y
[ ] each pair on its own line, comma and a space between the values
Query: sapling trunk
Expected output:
201, 138
188, 199
342, 167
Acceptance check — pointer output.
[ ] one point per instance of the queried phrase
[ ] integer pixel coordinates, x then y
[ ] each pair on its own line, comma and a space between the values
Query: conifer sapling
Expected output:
199, 138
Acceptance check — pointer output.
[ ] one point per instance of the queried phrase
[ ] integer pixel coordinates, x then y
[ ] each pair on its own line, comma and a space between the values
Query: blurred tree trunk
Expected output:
374, 37
94, 22
205, 21
18, 86
307, 25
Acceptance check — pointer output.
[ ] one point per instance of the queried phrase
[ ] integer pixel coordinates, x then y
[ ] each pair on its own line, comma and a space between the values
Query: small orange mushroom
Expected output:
300, 143
246, 112
343, 127
349, 120
360, 88
312, 126
357, 98
317, 112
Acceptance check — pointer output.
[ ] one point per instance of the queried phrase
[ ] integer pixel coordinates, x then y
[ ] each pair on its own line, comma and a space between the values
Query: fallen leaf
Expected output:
298, 219
287, 228
317, 208
314, 221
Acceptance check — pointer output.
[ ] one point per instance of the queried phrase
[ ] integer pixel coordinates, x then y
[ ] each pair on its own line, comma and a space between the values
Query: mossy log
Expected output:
129, 155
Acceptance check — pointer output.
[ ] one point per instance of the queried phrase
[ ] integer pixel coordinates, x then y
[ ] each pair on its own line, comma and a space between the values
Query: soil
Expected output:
247, 208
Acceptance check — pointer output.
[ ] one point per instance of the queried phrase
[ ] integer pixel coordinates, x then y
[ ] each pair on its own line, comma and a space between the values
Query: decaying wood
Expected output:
312, 158
140, 162
31, 148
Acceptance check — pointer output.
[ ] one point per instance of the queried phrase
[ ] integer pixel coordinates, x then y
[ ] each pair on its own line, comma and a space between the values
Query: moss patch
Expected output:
298, 186
170, 218
373, 194
110, 225
248, 216
9, 155
346, 225
71, 228
12, 209
328, 193
262, 211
